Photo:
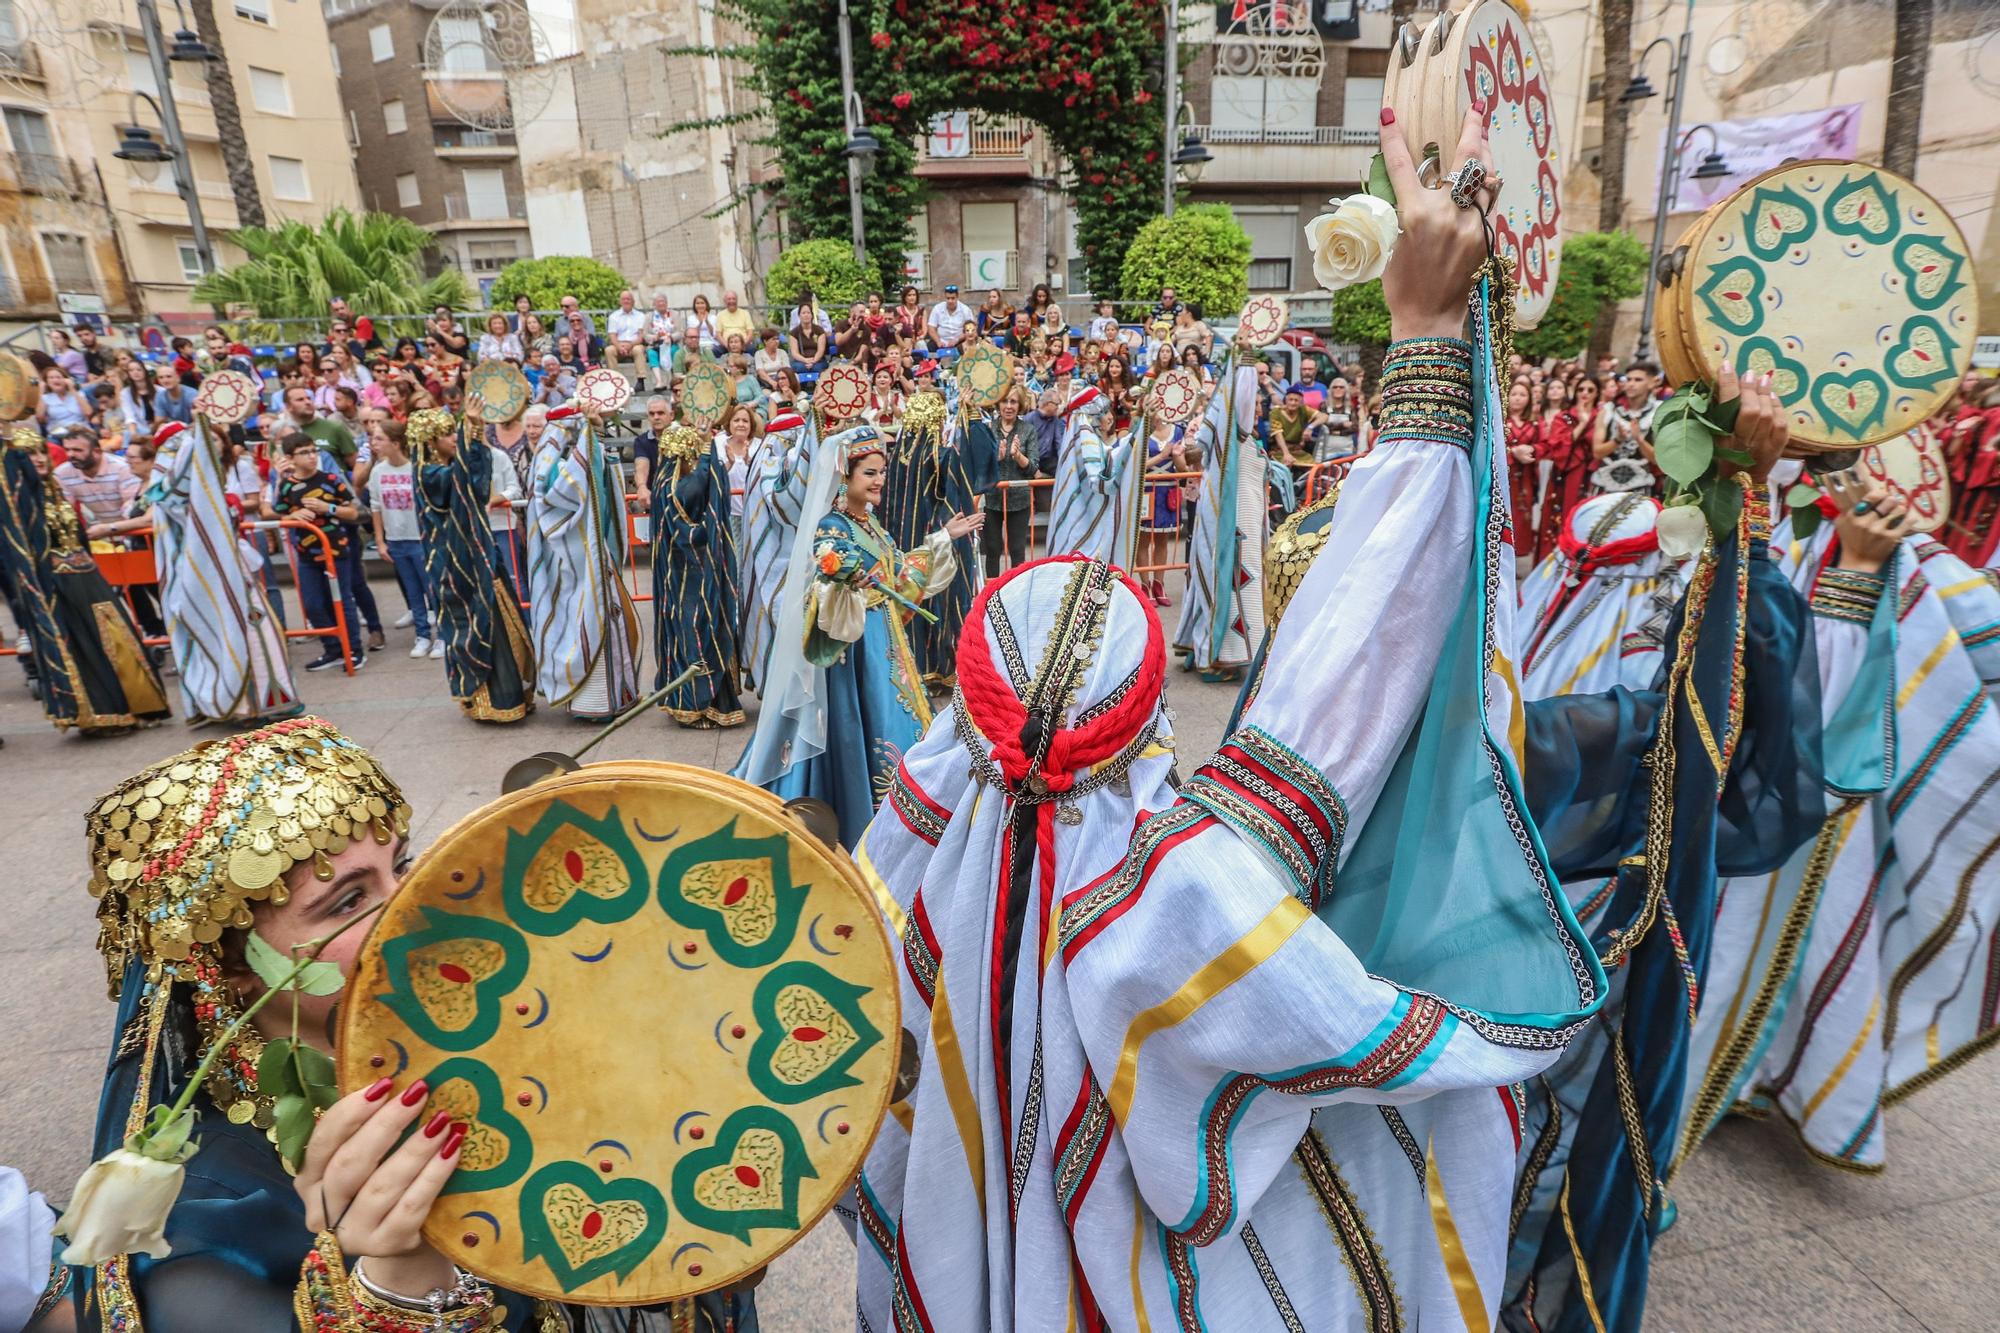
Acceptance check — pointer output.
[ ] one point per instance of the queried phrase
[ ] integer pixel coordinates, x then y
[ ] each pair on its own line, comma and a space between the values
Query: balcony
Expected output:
991, 268
47, 174
458, 144
14, 300
1315, 155
469, 213
976, 144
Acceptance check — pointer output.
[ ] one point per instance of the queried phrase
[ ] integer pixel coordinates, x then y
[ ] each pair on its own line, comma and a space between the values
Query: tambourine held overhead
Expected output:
1483, 51
668, 1012
1847, 284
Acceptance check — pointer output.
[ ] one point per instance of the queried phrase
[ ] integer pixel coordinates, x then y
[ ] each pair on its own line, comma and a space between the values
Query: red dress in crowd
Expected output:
1974, 530
1565, 448
1521, 482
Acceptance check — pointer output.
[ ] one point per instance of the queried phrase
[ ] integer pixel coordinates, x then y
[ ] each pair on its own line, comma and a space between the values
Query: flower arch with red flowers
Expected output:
1080, 71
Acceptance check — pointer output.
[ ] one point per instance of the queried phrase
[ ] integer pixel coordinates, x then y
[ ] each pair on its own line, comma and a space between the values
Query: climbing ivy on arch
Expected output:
1079, 71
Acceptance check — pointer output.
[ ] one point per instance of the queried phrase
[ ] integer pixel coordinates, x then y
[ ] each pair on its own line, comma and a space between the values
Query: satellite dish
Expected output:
486, 64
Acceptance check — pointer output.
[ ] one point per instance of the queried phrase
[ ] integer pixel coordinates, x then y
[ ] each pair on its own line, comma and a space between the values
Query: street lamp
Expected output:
1170, 80
135, 138
1192, 157
1637, 90
189, 49
861, 149
137, 144
861, 145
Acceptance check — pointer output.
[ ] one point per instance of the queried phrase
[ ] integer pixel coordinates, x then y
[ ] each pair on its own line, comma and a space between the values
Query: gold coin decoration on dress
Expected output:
668, 1013
707, 393
1847, 284
226, 397
924, 413
985, 374
501, 388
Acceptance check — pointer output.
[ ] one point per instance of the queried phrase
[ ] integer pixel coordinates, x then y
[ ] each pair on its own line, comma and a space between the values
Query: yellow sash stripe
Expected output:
1963, 586
884, 900
1846, 1061
1139, 1248
1569, 686
958, 1090
1576, 1257
1217, 975
1464, 1284
1931, 659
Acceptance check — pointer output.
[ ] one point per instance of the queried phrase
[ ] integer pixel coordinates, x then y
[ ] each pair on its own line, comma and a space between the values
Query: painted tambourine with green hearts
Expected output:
668, 1012
1846, 283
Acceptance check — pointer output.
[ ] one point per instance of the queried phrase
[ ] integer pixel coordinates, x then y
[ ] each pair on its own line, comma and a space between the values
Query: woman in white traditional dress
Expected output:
1594, 613
774, 491
228, 647
1092, 503
585, 628
1222, 615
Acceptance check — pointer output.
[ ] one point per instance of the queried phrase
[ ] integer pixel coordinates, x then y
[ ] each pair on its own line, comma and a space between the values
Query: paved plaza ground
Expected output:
1766, 1239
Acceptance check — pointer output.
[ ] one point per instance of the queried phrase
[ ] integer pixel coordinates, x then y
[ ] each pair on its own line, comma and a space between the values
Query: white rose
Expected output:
1353, 243
1683, 530
120, 1207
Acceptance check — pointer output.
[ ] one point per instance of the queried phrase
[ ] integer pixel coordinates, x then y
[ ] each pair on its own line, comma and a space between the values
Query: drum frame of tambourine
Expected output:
31, 391
353, 1069
1431, 109
1675, 337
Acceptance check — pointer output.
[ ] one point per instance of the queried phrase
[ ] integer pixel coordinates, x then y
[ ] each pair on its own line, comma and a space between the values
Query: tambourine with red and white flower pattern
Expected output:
668, 1013
602, 390
1262, 320
226, 398
1485, 52
842, 393
1912, 468
1847, 284
1177, 396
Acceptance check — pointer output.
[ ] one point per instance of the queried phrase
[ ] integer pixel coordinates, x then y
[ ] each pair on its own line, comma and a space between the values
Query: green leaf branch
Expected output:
1688, 434
301, 1078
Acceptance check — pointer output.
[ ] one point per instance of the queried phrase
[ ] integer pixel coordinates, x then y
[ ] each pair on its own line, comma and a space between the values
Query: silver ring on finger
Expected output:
1465, 182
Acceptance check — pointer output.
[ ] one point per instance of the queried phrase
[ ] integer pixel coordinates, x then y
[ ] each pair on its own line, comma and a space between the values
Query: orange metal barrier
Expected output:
1152, 481
129, 569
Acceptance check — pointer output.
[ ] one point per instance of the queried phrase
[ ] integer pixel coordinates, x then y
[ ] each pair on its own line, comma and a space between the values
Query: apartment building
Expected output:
426, 111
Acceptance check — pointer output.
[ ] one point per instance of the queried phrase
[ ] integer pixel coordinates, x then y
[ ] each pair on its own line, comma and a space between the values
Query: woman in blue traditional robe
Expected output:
488, 656
927, 484
845, 698
91, 668
694, 583
237, 1250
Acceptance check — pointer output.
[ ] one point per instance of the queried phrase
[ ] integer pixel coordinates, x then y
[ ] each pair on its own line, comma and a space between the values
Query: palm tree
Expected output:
228, 119
1615, 25
1909, 65
374, 260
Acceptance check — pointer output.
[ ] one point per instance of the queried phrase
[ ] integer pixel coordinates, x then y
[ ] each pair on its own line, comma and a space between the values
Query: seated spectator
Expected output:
701, 323
625, 328
554, 383
770, 358
571, 306
811, 344
587, 347
524, 306
64, 354
909, 319
499, 343
99, 483
446, 330
995, 316
733, 318
172, 400
536, 341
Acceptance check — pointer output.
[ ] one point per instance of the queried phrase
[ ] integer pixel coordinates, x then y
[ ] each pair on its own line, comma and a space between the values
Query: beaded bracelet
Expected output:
1848, 594
1756, 515
1427, 391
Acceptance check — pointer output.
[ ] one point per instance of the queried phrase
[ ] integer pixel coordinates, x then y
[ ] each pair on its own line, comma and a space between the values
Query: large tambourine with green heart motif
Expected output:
1846, 283
667, 1011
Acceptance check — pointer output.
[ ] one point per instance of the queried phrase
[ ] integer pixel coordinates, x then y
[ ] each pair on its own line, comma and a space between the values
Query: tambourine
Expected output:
1177, 396
842, 392
985, 376
667, 1011
501, 388
707, 393
602, 390
19, 389
1485, 51
1262, 320
1846, 283
1912, 468
226, 397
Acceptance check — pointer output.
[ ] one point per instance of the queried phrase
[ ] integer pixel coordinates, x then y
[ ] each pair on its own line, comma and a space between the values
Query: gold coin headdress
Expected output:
179, 852
682, 446
428, 426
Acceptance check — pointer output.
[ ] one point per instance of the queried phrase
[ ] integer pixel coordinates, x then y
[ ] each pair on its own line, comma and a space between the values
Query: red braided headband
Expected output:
993, 707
